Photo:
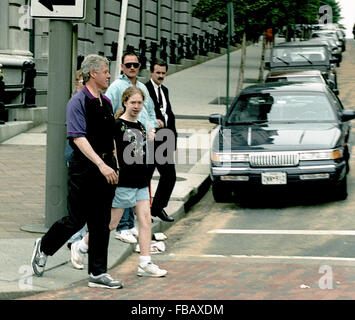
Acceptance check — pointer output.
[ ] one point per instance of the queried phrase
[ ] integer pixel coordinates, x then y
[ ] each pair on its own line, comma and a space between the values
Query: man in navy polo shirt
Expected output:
92, 174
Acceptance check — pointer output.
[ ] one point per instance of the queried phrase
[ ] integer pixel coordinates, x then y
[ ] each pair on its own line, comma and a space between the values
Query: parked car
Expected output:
332, 34
336, 52
305, 56
332, 26
310, 76
280, 134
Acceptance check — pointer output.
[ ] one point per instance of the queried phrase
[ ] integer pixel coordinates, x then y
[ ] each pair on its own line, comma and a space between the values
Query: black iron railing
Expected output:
24, 92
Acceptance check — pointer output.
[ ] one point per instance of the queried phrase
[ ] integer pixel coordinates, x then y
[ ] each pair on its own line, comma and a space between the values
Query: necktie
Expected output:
161, 106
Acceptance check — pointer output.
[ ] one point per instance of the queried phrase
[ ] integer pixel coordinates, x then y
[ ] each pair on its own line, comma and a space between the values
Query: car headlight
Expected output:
322, 155
229, 157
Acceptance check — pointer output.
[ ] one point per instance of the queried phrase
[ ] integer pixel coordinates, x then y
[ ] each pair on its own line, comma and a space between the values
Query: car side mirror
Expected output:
348, 115
216, 118
336, 91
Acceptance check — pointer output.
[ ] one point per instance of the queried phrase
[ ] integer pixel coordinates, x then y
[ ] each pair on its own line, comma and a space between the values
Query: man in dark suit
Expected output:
165, 140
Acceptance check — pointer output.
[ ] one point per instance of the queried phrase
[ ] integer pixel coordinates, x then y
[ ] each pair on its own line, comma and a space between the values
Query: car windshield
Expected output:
281, 107
289, 55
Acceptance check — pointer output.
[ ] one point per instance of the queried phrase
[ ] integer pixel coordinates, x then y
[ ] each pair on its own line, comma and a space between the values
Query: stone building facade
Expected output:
154, 28
23, 38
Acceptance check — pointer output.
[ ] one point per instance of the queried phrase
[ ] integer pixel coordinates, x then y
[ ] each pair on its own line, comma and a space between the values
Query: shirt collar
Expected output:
154, 84
88, 93
125, 78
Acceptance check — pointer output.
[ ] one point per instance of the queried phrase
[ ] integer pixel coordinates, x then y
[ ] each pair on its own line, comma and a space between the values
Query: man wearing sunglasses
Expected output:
126, 231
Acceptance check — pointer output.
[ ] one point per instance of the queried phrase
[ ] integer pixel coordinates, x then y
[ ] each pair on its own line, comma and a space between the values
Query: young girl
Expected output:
133, 181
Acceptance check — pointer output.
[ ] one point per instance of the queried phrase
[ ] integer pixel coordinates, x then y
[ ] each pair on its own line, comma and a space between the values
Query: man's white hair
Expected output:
92, 62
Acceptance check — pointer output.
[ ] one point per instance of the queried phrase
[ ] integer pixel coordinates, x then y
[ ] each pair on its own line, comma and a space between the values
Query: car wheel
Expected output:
341, 189
221, 193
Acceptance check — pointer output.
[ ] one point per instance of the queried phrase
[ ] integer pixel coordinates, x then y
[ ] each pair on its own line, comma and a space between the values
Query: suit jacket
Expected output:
171, 117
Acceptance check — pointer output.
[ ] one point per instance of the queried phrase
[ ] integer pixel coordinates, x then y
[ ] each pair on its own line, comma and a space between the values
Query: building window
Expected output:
98, 13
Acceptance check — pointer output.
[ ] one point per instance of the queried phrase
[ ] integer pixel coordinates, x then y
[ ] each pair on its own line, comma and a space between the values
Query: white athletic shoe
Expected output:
104, 281
134, 231
151, 270
125, 236
77, 256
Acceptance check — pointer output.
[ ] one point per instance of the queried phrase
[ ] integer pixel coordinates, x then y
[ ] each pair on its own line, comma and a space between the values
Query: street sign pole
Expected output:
229, 27
61, 14
59, 89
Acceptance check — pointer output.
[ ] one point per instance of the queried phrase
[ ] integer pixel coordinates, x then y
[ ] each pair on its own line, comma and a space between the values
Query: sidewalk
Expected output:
23, 165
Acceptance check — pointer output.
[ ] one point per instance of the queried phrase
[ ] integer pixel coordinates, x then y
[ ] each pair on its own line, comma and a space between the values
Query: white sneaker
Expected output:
125, 236
38, 260
77, 256
134, 231
104, 281
150, 270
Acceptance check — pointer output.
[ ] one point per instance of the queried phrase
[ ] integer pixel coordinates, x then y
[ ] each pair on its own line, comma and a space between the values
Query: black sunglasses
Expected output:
134, 64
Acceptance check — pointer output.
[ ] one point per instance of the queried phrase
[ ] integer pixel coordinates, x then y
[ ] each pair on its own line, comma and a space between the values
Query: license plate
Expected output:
273, 178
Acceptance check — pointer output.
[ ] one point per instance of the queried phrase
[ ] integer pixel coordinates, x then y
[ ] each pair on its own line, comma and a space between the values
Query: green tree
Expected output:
247, 14
253, 17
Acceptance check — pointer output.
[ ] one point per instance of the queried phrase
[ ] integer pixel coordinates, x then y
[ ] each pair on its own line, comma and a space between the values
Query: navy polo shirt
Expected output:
86, 118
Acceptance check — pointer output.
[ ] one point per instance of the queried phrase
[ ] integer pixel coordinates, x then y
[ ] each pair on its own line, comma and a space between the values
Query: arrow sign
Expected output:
58, 9
50, 3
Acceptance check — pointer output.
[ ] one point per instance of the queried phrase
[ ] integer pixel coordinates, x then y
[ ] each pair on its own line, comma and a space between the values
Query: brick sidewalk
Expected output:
240, 281
22, 189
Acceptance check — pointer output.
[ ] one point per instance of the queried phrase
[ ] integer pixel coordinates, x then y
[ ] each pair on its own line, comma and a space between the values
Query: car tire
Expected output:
221, 193
341, 189
347, 157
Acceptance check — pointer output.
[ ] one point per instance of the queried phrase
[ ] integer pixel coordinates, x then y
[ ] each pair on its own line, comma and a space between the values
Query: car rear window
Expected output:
281, 107
288, 55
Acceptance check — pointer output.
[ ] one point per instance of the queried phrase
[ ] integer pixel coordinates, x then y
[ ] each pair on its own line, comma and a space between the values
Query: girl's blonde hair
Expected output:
129, 92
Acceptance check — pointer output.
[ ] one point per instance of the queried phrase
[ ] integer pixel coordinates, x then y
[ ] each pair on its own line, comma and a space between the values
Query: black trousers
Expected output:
167, 177
89, 201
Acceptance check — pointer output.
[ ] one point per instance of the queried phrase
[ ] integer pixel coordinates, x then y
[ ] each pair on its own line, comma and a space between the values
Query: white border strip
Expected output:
264, 257
285, 232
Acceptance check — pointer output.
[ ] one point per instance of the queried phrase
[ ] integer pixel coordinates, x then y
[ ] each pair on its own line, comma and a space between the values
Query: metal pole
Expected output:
121, 35
59, 91
74, 56
229, 26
